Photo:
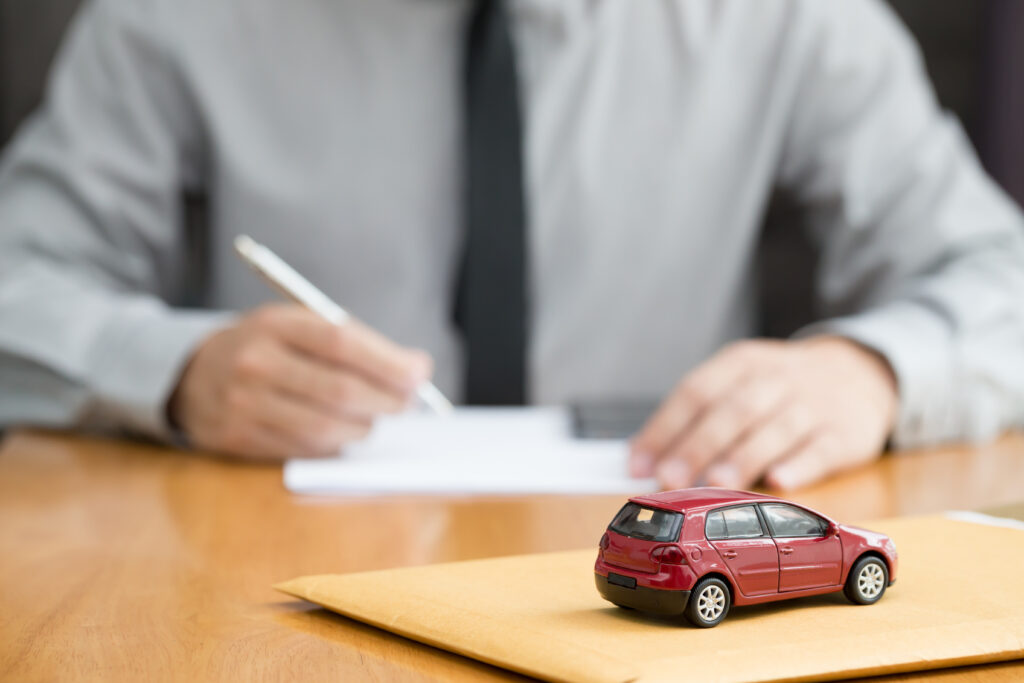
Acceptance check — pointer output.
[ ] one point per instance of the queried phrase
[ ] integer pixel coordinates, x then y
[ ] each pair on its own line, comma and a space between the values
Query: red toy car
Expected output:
699, 551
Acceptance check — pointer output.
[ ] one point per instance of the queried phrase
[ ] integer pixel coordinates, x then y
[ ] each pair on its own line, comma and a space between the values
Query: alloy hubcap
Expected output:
711, 603
870, 580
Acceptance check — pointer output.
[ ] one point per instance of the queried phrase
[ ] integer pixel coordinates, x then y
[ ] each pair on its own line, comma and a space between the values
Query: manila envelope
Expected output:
958, 599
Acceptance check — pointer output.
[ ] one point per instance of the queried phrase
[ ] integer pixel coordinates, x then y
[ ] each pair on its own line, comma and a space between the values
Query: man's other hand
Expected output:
282, 382
786, 413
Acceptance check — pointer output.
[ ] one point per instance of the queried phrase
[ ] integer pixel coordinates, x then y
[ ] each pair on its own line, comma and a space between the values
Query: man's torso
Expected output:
653, 133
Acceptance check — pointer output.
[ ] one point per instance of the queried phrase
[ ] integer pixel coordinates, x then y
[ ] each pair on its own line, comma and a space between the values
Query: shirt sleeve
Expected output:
922, 254
91, 244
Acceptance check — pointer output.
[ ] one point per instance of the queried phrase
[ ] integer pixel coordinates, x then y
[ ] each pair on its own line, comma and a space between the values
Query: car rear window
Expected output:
649, 524
735, 522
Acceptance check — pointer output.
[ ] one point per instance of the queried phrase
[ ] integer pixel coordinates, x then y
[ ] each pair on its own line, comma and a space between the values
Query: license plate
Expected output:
620, 580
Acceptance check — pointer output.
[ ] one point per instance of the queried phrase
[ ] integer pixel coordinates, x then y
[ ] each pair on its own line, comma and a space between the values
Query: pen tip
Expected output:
433, 398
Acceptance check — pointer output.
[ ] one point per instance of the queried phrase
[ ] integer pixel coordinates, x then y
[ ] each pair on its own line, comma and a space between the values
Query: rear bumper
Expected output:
655, 600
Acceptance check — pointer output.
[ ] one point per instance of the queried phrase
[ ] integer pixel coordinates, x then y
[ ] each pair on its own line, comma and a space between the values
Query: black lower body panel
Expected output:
644, 599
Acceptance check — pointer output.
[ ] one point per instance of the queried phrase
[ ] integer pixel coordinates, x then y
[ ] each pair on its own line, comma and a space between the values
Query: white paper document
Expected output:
473, 451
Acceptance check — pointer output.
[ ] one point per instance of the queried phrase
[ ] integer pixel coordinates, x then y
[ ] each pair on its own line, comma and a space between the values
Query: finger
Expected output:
769, 442
353, 345
310, 431
726, 422
253, 441
698, 390
819, 457
340, 392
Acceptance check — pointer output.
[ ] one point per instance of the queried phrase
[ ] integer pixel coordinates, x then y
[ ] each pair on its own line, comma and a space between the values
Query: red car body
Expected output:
748, 540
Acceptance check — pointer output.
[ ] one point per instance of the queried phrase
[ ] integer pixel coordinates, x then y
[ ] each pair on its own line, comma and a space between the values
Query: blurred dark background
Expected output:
973, 48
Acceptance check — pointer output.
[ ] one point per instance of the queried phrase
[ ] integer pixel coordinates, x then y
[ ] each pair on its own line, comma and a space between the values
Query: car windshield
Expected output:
649, 524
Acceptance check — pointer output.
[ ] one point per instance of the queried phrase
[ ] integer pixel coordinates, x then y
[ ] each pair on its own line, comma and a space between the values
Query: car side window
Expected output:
735, 522
787, 521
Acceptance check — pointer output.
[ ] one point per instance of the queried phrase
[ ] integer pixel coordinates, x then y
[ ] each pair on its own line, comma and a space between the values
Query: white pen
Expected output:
286, 280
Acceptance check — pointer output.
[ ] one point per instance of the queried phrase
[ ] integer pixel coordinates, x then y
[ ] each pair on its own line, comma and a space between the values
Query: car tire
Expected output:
867, 581
709, 602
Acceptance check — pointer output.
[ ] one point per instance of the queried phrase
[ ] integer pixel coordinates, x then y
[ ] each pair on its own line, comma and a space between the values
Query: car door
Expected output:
745, 547
809, 557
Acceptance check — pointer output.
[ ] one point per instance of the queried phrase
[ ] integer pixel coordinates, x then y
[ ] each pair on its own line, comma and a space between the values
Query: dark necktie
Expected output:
491, 307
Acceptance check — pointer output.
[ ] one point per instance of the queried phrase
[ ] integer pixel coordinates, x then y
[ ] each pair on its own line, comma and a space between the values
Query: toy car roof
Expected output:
692, 499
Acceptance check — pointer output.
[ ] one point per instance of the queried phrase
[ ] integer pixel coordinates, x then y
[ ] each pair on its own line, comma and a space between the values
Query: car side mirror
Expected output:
832, 529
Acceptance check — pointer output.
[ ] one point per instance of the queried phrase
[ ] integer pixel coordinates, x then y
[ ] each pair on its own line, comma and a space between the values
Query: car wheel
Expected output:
709, 603
867, 581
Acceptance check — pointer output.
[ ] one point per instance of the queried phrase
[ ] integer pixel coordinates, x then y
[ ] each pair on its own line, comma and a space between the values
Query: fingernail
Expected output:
420, 368
726, 475
674, 474
412, 401
782, 478
641, 464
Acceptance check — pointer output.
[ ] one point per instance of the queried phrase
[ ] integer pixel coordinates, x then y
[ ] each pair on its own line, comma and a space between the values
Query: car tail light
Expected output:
668, 554
603, 545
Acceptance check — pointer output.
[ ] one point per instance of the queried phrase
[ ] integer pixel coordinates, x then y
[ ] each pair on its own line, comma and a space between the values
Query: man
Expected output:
580, 182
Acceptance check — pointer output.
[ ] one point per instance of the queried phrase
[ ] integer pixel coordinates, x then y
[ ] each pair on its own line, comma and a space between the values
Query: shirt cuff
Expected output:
918, 345
139, 358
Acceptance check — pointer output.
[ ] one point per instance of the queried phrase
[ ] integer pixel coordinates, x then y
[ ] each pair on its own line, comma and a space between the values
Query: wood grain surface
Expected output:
124, 561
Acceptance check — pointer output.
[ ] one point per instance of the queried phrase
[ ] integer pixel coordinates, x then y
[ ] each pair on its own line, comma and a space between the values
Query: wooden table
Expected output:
121, 561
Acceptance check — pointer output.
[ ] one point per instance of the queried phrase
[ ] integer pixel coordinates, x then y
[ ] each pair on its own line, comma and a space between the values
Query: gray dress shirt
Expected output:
655, 132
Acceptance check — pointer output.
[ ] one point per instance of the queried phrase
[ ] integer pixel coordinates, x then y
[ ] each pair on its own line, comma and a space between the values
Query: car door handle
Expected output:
786, 551
729, 554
